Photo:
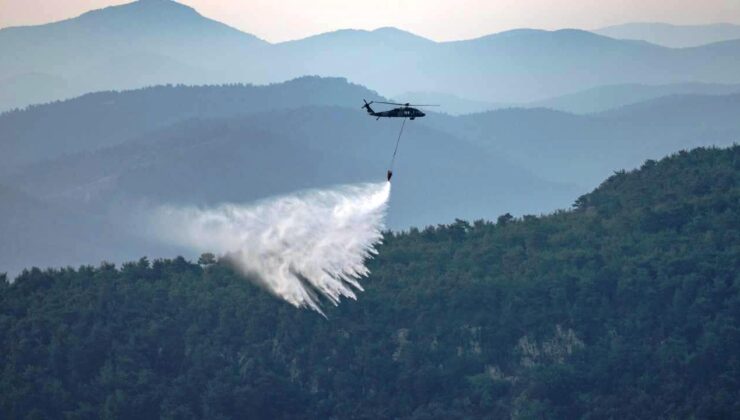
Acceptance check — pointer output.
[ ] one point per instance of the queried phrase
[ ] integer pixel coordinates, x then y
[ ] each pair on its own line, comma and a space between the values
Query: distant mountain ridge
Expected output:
388, 34
604, 98
133, 45
160, 41
673, 36
588, 101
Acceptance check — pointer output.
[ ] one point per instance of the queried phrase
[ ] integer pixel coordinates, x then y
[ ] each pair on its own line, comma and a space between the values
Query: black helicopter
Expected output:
405, 111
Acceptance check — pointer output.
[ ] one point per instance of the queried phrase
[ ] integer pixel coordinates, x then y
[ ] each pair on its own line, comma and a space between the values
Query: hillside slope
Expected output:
98, 120
625, 307
582, 149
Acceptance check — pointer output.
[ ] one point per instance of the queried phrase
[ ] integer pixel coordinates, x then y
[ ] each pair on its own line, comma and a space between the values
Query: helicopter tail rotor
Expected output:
367, 107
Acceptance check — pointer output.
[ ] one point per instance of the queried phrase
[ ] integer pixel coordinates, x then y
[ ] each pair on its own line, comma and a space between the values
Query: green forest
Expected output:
625, 306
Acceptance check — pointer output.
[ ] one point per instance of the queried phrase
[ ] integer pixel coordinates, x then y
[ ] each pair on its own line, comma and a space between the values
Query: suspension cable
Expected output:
393, 160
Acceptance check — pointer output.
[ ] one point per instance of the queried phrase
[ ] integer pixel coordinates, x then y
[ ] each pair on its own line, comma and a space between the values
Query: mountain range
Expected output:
673, 36
588, 101
152, 42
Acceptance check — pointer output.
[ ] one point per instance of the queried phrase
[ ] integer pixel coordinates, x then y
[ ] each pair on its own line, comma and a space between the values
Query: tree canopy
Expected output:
626, 306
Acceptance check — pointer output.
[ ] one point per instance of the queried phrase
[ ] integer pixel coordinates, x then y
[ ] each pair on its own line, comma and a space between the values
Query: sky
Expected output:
440, 20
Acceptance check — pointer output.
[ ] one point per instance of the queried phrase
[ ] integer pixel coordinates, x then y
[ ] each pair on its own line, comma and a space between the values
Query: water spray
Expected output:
298, 246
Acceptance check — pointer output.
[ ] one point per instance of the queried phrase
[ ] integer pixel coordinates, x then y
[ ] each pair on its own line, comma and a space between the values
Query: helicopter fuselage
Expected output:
402, 112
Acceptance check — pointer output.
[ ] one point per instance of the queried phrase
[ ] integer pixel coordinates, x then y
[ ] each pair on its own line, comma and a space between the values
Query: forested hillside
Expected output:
626, 306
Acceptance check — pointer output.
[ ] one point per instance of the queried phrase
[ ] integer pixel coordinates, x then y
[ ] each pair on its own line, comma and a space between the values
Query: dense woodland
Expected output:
626, 306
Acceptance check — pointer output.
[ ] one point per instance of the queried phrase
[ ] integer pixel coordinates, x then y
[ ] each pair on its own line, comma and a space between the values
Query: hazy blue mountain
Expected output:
160, 41
514, 66
588, 101
103, 119
581, 149
142, 43
387, 58
603, 98
523, 65
354, 38
674, 36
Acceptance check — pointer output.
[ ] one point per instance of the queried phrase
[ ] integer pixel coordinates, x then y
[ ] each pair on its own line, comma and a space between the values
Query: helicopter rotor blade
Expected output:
404, 104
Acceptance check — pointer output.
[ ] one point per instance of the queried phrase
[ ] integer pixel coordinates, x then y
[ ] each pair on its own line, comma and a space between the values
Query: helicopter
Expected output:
405, 111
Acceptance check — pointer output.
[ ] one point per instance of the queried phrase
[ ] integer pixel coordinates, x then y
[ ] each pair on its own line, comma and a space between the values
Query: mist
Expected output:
299, 247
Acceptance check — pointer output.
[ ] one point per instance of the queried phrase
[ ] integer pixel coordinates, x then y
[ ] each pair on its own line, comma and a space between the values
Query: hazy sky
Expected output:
279, 20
